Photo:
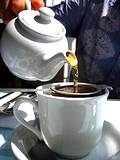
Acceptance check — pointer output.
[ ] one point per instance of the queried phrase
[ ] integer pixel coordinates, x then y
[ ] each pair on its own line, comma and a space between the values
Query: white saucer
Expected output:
26, 146
22, 141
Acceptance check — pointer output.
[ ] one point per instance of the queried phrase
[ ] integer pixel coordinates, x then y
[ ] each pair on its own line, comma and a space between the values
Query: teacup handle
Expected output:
17, 110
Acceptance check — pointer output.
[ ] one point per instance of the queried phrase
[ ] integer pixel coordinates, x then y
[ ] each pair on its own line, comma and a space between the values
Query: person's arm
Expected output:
70, 14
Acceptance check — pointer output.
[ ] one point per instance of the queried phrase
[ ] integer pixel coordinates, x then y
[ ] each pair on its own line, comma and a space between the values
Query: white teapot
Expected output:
33, 45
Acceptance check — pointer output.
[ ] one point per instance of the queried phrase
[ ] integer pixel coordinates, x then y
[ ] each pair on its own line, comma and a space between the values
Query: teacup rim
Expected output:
39, 91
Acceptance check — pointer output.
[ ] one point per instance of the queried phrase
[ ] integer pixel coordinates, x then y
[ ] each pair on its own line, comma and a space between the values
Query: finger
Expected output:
3, 6
17, 6
8, 15
36, 4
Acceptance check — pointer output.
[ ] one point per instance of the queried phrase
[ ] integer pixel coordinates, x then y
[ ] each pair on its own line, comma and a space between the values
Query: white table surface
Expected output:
112, 113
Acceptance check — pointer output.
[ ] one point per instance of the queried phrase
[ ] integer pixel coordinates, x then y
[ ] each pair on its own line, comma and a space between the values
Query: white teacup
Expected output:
70, 126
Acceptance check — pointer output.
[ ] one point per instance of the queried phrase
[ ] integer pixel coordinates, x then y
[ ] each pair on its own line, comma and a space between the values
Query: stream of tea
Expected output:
72, 60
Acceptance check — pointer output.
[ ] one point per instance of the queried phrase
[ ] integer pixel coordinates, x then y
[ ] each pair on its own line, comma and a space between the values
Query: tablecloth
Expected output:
5, 147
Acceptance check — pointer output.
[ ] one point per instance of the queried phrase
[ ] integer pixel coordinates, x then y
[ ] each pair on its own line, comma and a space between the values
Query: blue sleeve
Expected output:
70, 14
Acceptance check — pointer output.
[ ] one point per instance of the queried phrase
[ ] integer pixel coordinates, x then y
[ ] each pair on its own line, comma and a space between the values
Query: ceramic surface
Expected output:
70, 126
26, 146
31, 47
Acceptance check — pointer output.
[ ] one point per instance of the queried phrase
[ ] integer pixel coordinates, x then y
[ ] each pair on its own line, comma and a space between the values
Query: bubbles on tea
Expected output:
72, 60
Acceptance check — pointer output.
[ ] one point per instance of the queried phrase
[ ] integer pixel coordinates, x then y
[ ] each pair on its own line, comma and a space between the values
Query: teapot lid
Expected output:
42, 23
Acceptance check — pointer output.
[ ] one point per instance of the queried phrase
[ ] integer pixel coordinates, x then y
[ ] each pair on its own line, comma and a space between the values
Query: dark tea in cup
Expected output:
83, 90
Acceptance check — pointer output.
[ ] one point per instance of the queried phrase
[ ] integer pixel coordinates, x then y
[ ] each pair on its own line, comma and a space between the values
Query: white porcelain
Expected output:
33, 45
71, 127
23, 140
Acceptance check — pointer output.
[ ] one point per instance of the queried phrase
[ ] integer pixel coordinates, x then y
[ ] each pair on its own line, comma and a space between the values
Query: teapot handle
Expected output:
18, 111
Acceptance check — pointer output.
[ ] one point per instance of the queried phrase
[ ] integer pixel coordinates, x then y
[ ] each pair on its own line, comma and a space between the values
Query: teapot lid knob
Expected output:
46, 13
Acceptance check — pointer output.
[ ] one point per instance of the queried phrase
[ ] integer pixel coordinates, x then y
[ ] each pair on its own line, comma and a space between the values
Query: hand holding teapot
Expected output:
9, 9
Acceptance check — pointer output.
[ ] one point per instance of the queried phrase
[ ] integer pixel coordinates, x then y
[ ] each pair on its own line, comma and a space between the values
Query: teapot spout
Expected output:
49, 68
